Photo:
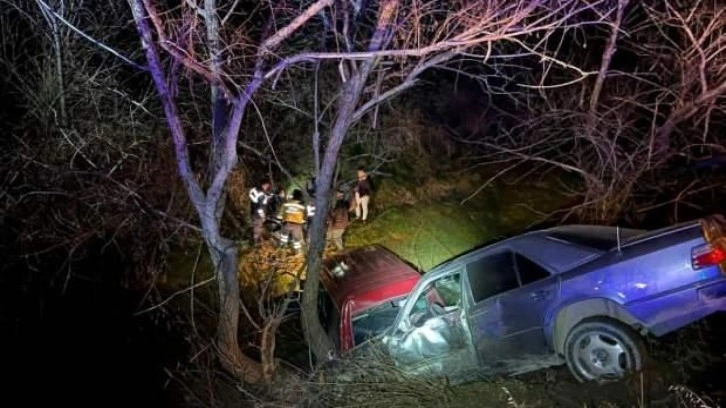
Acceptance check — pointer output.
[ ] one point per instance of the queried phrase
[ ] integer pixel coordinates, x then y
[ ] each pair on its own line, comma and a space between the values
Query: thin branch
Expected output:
89, 38
285, 32
406, 84
175, 294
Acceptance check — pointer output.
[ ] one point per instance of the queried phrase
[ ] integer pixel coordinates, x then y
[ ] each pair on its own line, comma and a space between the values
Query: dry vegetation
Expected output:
270, 271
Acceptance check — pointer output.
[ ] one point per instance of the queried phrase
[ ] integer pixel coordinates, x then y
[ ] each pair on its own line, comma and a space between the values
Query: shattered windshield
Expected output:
374, 321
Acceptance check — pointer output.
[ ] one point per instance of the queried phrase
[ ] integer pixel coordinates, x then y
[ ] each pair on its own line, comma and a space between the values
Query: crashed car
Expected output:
362, 292
581, 295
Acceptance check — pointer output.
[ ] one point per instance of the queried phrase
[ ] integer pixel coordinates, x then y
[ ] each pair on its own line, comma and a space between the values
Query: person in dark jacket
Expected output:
276, 201
363, 190
338, 221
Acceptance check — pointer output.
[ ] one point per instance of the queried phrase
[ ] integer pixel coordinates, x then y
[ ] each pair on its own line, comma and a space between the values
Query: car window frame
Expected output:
402, 322
494, 251
530, 259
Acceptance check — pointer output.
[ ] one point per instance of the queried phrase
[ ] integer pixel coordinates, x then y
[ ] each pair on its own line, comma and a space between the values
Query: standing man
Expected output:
338, 221
363, 189
293, 216
259, 198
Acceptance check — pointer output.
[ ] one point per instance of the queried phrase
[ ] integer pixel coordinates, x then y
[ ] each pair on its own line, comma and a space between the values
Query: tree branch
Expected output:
88, 37
282, 34
407, 83
172, 116
178, 54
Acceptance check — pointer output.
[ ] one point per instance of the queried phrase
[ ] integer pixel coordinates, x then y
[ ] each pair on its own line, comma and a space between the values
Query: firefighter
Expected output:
259, 198
293, 215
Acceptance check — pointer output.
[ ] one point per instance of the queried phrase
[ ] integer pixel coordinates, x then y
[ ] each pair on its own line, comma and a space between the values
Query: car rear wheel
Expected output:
602, 350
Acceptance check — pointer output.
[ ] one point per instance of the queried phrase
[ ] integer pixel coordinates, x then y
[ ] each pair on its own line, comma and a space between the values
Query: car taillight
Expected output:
714, 252
707, 255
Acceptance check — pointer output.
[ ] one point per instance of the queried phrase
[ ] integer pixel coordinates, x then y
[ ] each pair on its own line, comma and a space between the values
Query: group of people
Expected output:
295, 214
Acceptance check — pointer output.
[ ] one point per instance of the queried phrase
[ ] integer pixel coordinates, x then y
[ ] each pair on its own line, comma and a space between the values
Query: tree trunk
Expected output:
662, 140
222, 251
60, 78
232, 359
267, 348
316, 132
219, 104
318, 340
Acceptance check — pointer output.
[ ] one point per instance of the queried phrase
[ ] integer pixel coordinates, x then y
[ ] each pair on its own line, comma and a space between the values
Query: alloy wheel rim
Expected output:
601, 356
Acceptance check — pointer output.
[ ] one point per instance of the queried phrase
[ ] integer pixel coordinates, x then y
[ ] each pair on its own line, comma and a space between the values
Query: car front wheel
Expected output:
602, 350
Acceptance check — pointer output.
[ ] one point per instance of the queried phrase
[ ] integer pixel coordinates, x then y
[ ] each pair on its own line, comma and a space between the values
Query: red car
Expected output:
362, 292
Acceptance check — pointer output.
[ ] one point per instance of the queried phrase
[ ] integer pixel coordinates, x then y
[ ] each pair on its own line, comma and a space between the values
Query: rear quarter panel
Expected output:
652, 280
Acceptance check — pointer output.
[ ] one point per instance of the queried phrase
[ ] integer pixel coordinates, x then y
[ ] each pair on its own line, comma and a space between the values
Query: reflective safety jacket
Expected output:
258, 202
293, 212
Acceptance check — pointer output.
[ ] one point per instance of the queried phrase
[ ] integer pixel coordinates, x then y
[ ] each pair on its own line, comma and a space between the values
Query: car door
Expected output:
525, 309
431, 335
505, 314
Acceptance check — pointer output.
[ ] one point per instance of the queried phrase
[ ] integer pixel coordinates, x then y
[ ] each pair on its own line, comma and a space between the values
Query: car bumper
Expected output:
713, 296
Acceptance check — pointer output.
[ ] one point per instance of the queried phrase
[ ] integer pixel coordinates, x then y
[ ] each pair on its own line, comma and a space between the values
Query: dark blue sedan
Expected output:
583, 295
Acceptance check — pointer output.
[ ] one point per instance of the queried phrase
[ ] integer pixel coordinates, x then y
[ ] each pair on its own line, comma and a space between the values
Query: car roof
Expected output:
370, 275
581, 241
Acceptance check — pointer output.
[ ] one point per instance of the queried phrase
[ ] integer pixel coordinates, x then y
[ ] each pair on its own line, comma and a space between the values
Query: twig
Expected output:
491, 179
175, 294
191, 295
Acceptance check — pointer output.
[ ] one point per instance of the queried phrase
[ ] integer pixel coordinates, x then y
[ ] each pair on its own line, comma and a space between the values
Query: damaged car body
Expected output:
580, 295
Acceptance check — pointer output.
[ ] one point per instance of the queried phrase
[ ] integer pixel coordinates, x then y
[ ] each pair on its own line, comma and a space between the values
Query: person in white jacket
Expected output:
259, 198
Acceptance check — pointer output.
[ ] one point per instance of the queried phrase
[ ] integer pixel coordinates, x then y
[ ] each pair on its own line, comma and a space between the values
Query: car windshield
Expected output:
375, 320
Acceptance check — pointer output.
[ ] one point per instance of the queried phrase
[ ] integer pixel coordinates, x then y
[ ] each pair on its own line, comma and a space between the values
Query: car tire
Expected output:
603, 349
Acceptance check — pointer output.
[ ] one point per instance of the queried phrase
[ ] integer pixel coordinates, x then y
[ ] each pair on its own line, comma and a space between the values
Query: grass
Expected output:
425, 225
433, 230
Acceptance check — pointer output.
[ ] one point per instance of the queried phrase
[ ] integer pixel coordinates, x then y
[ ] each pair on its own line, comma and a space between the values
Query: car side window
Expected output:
529, 271
445, 292
492, 275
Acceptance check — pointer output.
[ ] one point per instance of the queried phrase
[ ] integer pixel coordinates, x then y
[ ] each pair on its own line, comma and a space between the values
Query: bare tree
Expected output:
208, 200
693, 45
627, 130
